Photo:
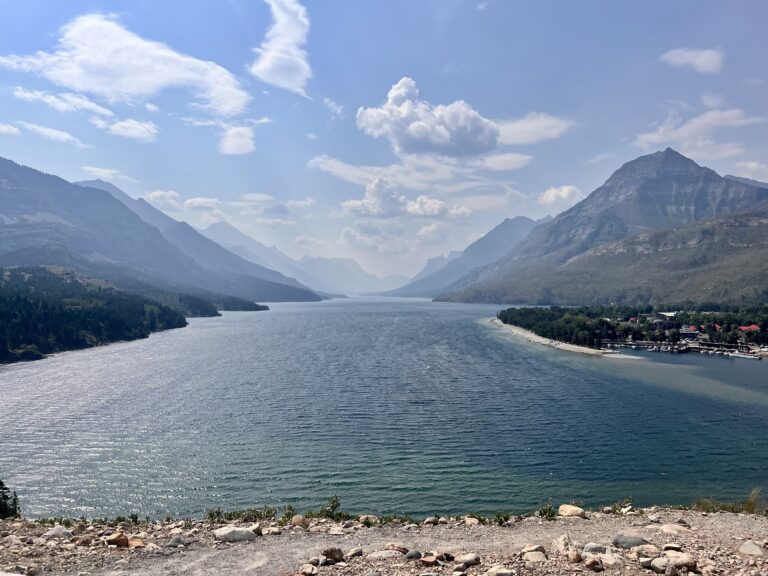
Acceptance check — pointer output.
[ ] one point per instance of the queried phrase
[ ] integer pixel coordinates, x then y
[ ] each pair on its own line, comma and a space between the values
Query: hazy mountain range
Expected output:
661, 229
330, 275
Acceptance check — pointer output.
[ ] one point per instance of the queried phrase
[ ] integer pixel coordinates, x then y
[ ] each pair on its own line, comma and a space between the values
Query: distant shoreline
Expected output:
536, 339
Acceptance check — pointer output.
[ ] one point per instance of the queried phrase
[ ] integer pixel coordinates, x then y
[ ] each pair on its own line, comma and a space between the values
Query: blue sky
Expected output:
389, 132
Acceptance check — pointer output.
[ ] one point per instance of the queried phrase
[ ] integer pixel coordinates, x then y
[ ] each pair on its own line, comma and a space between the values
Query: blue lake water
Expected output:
400, 406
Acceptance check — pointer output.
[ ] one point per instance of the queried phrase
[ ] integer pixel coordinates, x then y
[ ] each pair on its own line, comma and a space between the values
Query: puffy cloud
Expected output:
281, 60
707, 61
532, 128
376, 237
754, 170
561, 196
8, 130
415, 126
504, 162
336, 110
52, 134
237, 140
432, 233
311, 136
129, 128
380, 200
201, 203
694, 136
164, 200
151, 107
107, 173
65, 102
96, 55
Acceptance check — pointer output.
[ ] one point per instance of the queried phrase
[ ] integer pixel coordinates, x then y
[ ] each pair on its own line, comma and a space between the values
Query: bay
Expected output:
396, 406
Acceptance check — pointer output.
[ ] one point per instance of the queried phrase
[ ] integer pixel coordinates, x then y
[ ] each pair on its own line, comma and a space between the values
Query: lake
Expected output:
396, 406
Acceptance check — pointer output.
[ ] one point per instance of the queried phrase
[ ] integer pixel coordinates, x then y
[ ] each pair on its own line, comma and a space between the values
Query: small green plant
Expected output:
134, 518
501, 519
119, 520
477, 517
620, 505
9, 502
547, 511
752, 505
288, 513
218, 516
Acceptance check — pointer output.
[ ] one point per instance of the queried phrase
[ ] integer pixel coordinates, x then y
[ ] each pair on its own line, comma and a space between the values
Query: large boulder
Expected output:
571, 511
627, 542
234, 534
751, 548
58, 532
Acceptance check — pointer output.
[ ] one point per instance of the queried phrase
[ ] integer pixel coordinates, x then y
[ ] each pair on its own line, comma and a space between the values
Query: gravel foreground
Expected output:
647, 541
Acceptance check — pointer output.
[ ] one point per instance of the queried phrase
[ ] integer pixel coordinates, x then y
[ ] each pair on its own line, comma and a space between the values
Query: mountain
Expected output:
495, 244
750, 181
45, 220
660, 191
346, 275
434, 264
206, 252
328, 275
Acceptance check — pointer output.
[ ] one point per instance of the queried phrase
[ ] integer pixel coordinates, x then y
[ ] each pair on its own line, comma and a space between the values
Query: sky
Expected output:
388, 132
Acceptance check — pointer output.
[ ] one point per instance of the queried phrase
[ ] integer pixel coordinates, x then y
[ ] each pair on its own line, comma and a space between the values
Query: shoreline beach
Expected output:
536, 339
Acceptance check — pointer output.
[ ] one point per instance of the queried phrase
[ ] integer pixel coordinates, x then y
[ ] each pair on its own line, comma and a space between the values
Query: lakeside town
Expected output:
741, 334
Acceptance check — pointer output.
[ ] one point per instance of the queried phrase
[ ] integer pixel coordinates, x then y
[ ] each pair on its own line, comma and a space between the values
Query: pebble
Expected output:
467, 559
533, 548
674, 529
384, 555
299, 520
176, 542
499, 570
354, 553
594, 564
413, 555
117, 539
308, 570
334, 554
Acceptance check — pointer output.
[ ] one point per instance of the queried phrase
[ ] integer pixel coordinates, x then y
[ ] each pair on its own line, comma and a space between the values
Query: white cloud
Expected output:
275, 222
336, 110
129, 128
560, 196
107, 173
709, 100
151, 107
52, 134
532, 128
707, 61
164, 200
237, 140
376, 237
256, 198
96, 55
754, 170
380, 200
597, 158
281, 60
432, 233
65, 102
415, 126
504, 162
311, 136
8, 130
694, 136
309, 242
202, 203
306, 203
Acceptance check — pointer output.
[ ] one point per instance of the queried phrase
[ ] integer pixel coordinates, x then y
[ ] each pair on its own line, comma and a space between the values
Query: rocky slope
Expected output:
657, 192
492, 246
621, 541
